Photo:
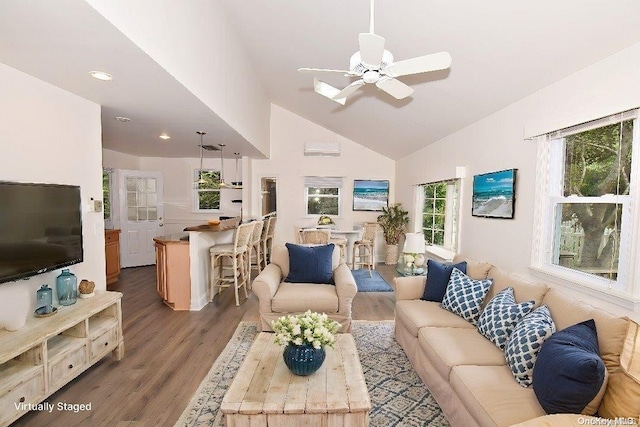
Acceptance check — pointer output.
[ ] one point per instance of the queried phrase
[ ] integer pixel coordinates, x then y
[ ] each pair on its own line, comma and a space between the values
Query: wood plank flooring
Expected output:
167, 355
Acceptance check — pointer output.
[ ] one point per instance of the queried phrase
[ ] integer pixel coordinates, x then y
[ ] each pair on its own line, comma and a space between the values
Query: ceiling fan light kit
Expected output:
374, 64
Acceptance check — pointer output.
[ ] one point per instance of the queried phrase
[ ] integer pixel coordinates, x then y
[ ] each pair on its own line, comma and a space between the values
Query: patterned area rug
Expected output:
370, 283
398, 396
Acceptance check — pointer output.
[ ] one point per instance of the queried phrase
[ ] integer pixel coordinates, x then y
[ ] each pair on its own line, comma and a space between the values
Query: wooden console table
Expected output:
49, 352
265, 393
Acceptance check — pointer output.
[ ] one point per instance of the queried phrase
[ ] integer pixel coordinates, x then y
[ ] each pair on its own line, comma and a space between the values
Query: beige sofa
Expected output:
278, 298
468, 375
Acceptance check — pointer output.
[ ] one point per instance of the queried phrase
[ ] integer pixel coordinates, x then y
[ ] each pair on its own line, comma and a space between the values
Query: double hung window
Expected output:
323, 195
439, 203
206, 190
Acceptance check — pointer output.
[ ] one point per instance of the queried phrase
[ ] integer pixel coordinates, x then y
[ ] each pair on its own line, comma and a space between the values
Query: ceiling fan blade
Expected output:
349, 89
421, 64
394, 87
327, 90
371, 49
325, 70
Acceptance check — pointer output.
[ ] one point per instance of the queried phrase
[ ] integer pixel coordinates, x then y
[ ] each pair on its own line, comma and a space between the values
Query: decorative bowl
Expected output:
213, 222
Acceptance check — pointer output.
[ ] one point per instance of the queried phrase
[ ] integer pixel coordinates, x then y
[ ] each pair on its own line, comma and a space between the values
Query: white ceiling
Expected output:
503, 50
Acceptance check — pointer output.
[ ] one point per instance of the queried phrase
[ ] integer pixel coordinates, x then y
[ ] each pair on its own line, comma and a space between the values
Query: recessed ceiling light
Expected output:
123, 119
165, 136
101, 75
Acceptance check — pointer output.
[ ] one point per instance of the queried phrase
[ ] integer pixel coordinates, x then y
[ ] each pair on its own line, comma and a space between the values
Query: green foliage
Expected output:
393, 221
106, 197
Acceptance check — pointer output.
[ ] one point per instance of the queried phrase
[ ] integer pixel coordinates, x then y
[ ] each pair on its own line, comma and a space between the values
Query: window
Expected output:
106, 193
207, 190
323, 195
586, 204
439, 213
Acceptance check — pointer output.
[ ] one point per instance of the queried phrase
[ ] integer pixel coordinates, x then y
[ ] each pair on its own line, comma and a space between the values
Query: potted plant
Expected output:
393, 221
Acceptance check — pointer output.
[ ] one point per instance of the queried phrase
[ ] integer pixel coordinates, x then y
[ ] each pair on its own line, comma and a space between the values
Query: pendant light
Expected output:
200, 179
222, 184
238, 181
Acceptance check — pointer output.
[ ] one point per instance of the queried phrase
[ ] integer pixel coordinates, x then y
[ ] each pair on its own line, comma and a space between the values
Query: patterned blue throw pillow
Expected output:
464, 295
500, 316
525, 343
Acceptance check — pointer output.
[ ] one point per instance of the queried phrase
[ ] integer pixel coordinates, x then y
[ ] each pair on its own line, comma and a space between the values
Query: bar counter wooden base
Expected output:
265, 393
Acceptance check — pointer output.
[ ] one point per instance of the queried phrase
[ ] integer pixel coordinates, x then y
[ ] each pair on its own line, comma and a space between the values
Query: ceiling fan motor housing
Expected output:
356, 65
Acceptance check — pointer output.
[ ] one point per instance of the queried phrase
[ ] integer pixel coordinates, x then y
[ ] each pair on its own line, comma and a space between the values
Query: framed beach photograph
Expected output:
494, 194
370, 195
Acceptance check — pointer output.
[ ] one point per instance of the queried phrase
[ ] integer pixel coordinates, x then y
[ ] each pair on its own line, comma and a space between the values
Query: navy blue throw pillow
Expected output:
569, 372
310, 264
438, 278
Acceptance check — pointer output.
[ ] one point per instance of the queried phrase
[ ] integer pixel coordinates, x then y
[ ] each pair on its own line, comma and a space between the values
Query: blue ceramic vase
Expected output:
303, 359
67, 287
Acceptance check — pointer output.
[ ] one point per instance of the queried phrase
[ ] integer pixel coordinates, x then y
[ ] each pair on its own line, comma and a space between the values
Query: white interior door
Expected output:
141, 214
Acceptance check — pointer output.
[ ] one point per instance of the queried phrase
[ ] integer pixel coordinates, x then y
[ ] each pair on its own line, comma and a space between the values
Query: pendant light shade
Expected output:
222, 184
200, 179
238, 182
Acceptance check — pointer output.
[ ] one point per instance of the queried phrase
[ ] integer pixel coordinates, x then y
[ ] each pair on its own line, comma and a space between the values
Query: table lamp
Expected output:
412, 252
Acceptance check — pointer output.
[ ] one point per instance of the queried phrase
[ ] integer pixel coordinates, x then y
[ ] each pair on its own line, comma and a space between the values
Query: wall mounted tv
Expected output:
40, 228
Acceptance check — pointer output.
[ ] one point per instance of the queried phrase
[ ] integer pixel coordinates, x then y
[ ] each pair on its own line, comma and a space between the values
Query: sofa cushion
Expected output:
525, 343
416, 314
438, 278
492, 397
300, 297
569, 373
622, 397
464, 295
449, 347
475, 270
501, 315
523, 290
310, 264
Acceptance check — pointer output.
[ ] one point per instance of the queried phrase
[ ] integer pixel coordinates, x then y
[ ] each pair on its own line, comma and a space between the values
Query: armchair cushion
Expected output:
300, 297
310, 264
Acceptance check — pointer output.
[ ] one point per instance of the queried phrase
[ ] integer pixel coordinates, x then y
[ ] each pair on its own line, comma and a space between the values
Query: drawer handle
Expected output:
22, 399
70, 366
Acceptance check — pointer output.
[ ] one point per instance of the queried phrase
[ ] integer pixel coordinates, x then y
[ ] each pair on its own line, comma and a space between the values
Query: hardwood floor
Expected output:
167, 355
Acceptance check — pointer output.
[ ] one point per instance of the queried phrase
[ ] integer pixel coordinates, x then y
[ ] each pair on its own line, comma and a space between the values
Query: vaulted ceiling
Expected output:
502, 51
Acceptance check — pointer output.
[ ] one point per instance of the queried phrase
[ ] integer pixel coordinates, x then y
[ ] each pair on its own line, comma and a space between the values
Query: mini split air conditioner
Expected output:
321, 148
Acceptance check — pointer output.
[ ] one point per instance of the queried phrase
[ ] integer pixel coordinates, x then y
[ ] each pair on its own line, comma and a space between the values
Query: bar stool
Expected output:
268, 239
254, 248
366, 257
340, 242
317, 236
236, 252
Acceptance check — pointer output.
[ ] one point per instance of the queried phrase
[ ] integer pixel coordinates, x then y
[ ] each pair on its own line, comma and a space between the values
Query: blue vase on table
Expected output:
67, 287
303, 359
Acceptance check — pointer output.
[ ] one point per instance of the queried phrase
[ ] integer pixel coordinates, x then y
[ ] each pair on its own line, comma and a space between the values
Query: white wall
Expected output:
497, 143
215, 68
49, 135
117, 160
287, 162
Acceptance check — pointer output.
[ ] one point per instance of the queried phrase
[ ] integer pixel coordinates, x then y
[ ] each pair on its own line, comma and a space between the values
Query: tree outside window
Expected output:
207, 191
323, 201
439, 202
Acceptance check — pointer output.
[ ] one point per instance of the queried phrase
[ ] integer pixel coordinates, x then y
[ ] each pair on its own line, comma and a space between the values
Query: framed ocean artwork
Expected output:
370, 195
494, 194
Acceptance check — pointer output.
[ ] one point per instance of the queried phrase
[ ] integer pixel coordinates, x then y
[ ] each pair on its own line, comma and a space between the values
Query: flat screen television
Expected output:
40, 228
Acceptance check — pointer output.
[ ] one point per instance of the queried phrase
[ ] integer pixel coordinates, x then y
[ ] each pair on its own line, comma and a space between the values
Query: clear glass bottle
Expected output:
67, 287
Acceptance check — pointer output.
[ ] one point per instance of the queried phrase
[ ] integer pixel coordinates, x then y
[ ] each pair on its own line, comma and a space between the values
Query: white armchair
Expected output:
279, 298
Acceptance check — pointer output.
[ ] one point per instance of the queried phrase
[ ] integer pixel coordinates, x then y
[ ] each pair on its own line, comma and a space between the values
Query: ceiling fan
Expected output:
374, 64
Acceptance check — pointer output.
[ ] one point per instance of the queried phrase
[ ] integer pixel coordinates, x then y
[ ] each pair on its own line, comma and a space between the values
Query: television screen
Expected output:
370, 195
40, 228
494, 194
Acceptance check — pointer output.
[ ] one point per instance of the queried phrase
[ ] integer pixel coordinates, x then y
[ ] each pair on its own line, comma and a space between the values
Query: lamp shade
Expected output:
414, 243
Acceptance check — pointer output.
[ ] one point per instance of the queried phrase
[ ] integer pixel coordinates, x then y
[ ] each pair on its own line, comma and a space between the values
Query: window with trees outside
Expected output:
323, 195
207, 190
586, 208
439, 214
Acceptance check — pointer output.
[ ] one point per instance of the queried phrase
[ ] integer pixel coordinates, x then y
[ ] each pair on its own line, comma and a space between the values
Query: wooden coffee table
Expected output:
265, 393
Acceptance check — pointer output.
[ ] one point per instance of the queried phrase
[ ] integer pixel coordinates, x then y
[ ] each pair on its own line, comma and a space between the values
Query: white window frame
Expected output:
549, 192
322, 182
451, 220
197, 191
108, 221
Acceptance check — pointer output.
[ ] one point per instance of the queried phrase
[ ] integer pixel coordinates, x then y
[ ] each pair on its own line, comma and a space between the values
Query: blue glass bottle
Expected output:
44, 297
67, 287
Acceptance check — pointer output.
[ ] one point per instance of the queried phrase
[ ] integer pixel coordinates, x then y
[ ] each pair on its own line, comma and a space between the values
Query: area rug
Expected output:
398, 396
373, 283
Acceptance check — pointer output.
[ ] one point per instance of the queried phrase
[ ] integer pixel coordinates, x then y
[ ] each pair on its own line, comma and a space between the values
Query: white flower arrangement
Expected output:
307, 328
